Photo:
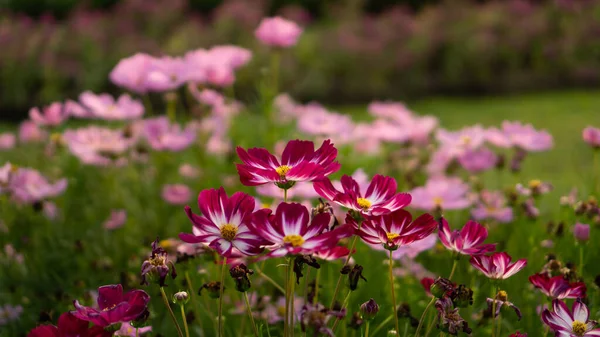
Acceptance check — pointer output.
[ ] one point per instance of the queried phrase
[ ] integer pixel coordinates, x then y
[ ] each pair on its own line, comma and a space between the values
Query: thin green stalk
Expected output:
499, 326
285, 195
147, 105
171, 108
344, 305
581, 260
164, 297
422, 320
393, 292
286, 320
221, 296
367, 328
384, 323
194, 300
453, 269
306, 285
292, 293
185, 325
339, 281
494, 310
137, 332
268, 279
316, 300
430, 327
250, 314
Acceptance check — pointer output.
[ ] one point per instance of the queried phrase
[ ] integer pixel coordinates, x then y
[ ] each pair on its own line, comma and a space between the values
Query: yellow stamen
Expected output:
294, 239
437, 201
579, 328
283, 170
363, 203
392, 236
159, 260
465, 139
108, 308
228, 231
502, 296
535, 183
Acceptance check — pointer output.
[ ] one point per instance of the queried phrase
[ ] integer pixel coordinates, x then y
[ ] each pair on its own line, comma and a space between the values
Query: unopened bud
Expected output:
369, 309
181, 297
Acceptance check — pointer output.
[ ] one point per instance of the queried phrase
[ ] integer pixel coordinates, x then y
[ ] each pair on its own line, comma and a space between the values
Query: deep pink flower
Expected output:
441, 192
427, 282
394, 229
29, 186
104, 106
224, 223
51, 115
478, 160
177, 194
567, 323
116, 219
291, 231
492, 205
278, 32
7, 141
467, 241
581, 232
381, 196
557, 287
30, 132
331, 254
591, 135
299, 162
131, 72
497, 266
410, 251
164, 136
518, 334
115, 307
69, 326
523, 136
98, 146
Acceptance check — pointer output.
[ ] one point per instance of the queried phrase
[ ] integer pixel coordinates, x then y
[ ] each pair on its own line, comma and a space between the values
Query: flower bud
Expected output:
141, 320
581, 232
392, 333
369, 309
181, 297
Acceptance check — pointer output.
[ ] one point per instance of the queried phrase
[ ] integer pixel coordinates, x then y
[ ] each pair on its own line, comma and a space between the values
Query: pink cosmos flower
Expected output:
164, 136
127, 330
331, 254
115, 307
591, 135
497, 266
234, 56
51, 115
29, 186
394, 229
317, 121
523, 136
189, 171
7, 141
478, 160
177, 194
581, 232
301, 190
98, 146
410, 251
379, 198
278, 32
467, 241
224, 223
215, 66
30, 132
207, 96
291, 231
299, 162
116, 219
567, 323
68, 326
274, 312
166, 74
557, 287
397, 123
492, 205
456, 143
104, 106
441, 192
130, 73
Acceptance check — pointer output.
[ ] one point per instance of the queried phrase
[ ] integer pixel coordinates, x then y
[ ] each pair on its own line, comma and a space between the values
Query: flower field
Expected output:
172, 209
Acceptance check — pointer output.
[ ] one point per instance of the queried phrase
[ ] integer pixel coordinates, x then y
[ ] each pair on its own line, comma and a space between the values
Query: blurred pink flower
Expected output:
104, 106
316, 120
457, 142
28, 186
9, 313
11, 254
116, 219
189, 171
51, 115
131, 72
412, 268
234, 56
177, 194
301, 190
164, 136
218, 145
523, 136
166, 74
127, 330
478, 160
591, 135
394, 111
206, 96
447, 193
7, 141
98, 146
30, 132
215, 66
50, 210
492, 206
278, 32
581, 232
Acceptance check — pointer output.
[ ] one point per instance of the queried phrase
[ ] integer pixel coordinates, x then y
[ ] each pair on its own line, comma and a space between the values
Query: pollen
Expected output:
466, 140
579, 328
109, 308
228, 231
363, 203
294, 239
535, 183
159, 260
437, 201
283, 170
392, 236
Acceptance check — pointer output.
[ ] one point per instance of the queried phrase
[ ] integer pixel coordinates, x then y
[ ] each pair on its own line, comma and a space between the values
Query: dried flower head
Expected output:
157, 265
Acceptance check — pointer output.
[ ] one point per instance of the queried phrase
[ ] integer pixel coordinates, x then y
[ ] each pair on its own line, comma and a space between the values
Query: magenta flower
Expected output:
29, 186
441, 192
331, 254
104, 106
116, 219
130, 73
567, 323
581, 232
69, 326
278, 32
224, 223
492, 205
98, 146
479, 160
558, 287
115, 307
467, 241
291, 231
497, 266
394, 229
29, 132
164, 136
379, 198
177, 194
523, 136
7, 141
299, 162
591, 135
51, 115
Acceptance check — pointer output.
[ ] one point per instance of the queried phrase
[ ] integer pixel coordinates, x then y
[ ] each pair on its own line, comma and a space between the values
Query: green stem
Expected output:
499, 326
137, 332
339, 281
367, 328
384, 323
171, 109
581, 260
285, 195
164, 297
194, 300
344, 305
268, 279
393, 292
316, 299
221, 296
422, 320
306, 285
453, 269
430, 327
292, 295
250, 314
185, 325
494, 309
147, 105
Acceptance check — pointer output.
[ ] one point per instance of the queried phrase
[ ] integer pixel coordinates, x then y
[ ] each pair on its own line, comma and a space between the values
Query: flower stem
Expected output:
339, 281
384, 323
285, 195
164, 297
453, 269
250, 314
367, 328
185, 325
137, 332
193, 296
268, 279
344, 305
422, 320
221, 296
316, 299
147, 104
171, 109
494, 309
292, 292
581, 260
393, 292
286, 320
499, 325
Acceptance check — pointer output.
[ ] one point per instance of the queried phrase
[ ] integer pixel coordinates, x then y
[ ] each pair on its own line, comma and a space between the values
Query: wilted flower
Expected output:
104, 106
591, 135
468, 241
278, 32
581, 232
177, 194
51, 115
565, 322
427, 282
213, 288
164, 136
441, 193
69, 325
116, 219
240, 277
441, 287
356, 321
114, 306
497, 266
354, 275
449, 320
158, 265
557, 287
492, 205
314, 318
501, 301
29, 186
7, 141
462, 296
369, 309
300, 261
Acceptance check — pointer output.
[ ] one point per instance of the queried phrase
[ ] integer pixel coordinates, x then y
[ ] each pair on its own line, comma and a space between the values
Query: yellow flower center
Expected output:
502, 296
437, 201
294, 239
281, 311
466, 140
228, 231
392, 236
363, 203
159, 260
283, 170
535, 183
109, 308
579, 328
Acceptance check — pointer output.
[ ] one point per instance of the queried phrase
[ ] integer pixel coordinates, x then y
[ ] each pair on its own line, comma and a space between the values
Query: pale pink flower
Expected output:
164, 136
127, 330
51, 115
166, 74
591, 135
206, 96
492, 205
479, 160
581, 232
131, 72
447, 193
116, 219
7, 141
218, 145
457, 142
9, 313
104, 106
189, 171
278, 32
177, 194
30, 132
50, 210
523, 136
98, 146
29, 186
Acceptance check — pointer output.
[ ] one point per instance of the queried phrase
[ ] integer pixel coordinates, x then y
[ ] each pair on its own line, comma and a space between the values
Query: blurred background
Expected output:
352, 51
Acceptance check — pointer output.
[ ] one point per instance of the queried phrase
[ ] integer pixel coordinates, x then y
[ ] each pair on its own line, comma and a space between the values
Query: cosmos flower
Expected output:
380, 196
331, 254
570, 323
478, 160
467, 241
114, 306
157, 265
116, 219
492, 206
290, 230
581, 232
278, 32
98, 146
299, 162
519, 135
29, 132
224, 223
130, 73
446, 193
52, 115
455, 143
29, 186
591, 135
104, 106
177, 194
189, 171
165, 74
395, 229
7, 141
69, 326
274, 312
164, 136
9, 313
558, 287
497, 266
314, 319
